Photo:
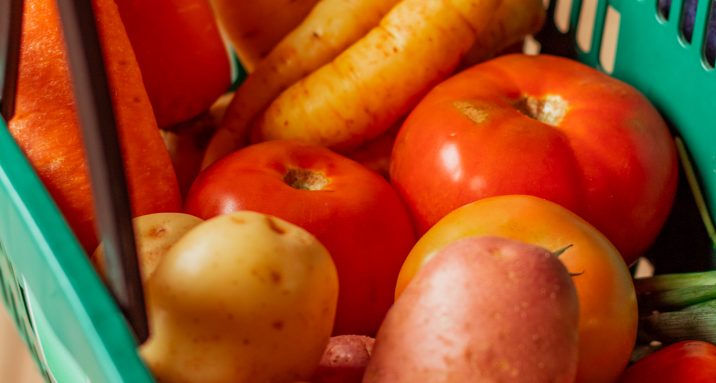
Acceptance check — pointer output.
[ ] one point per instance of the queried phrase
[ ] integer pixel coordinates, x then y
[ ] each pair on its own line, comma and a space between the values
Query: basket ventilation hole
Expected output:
531, 46
585, 30
561, 15
610, 37
688, 16
710, 44
663, 7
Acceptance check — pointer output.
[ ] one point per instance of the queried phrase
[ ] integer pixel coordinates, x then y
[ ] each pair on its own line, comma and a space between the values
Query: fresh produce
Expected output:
484, 309
301, 244
607, 302
375, 154
344, 359
544, 126
240, 298
187, 142
687, 361
374, 82
154, 234
184, 63
504, 36
677, 307
45, 124
255, 27
353, 211
329, 28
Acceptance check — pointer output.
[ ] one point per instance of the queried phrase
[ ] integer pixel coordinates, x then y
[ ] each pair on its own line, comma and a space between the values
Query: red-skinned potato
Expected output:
483, 309
607, 301
353, 211
241, 298
344, 359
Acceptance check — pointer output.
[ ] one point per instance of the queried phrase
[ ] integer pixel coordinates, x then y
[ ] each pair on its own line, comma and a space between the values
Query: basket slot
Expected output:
551, 39
687, 19
710, 38
562, 15
585, 27
663, 8
610, 39
590, 29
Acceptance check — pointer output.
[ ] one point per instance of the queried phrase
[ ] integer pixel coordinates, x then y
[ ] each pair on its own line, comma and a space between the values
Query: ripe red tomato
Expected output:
353, 211
181, 54
608, 313
686, 361
543, 126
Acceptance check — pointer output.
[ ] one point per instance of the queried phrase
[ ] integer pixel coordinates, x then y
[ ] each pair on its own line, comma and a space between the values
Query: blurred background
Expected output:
16, 364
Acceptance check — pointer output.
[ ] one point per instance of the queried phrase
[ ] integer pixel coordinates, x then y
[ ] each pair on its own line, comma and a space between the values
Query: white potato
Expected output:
243, 297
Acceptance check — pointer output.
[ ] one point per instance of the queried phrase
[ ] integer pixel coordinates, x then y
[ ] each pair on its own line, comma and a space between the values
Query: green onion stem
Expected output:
674, 281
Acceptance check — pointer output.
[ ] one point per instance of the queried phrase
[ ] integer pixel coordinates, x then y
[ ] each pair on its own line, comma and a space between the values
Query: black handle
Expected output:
109, 185
10, 32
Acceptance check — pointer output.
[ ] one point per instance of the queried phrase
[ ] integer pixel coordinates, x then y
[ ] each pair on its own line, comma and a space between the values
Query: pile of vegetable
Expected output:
392, 194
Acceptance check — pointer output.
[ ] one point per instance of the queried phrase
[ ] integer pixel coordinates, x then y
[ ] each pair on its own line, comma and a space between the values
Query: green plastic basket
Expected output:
76, 332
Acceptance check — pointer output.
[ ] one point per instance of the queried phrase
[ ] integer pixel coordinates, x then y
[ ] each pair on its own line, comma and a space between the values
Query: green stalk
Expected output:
675, 326
709, 305
675, 299
674, 281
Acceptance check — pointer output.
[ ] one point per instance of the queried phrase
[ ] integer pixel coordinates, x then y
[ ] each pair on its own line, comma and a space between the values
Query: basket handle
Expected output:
10, 32
109, 185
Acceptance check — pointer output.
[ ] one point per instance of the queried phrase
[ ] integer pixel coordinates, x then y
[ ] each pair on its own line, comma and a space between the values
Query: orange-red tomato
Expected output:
686, 361
184, 63
544, 126
353, 211
608, 310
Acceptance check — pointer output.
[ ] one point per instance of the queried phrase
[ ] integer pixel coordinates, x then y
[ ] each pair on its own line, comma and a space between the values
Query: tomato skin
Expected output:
358, 216
610, 159
184, 63
685, 361
608, 313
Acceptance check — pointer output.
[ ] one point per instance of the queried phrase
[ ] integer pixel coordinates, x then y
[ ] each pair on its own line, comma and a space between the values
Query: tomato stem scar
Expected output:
549, 109
305, 179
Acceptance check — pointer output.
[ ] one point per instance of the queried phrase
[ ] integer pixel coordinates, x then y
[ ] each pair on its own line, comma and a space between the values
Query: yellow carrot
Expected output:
331, 27
378, 79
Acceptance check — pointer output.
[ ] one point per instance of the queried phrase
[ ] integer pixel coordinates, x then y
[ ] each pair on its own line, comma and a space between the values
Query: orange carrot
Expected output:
46, 123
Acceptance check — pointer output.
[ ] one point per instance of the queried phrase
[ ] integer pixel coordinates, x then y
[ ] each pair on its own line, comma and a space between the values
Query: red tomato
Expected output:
353, 211
543, 126
182, 56
608, 314
686, 361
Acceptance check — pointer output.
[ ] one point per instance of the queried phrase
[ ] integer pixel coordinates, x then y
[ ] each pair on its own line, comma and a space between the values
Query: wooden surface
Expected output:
16, 364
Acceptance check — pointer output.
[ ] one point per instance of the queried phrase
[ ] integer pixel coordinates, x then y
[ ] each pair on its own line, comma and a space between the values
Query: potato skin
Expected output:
243, 297
155, 234
484, 309
344, 360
